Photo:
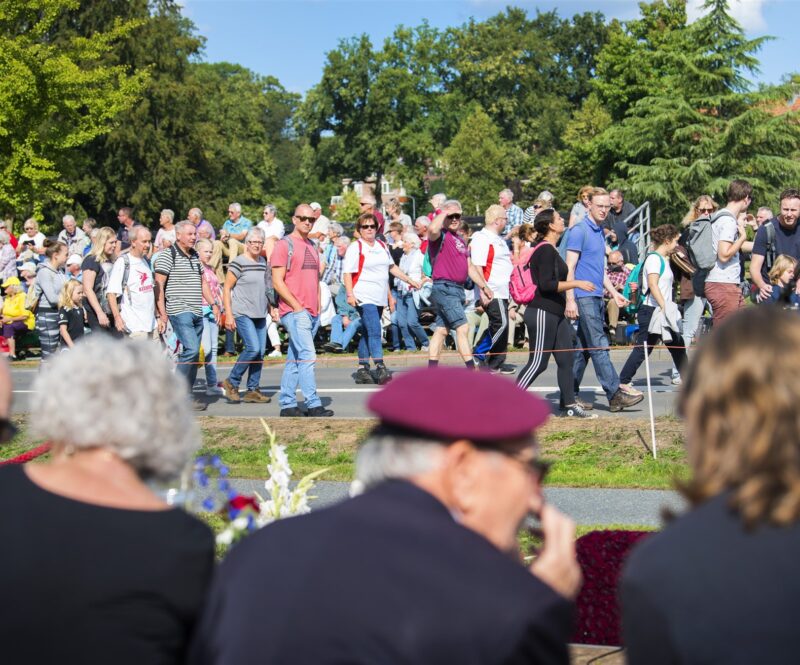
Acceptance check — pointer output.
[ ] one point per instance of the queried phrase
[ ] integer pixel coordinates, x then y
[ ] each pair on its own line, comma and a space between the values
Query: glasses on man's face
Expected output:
599, 207
255, 242
368, 226
8, 430
455, 215
538, 468
707, 211
537, 207
364, 203
303, 218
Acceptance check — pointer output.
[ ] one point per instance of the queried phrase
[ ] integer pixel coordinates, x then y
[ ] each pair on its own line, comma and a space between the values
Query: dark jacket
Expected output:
387, 577
707, 590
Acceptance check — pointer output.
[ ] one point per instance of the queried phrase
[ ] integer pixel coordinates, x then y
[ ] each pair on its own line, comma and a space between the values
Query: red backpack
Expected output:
521, 286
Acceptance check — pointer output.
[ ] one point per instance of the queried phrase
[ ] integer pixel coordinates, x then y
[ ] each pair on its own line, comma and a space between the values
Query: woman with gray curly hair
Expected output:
95, 559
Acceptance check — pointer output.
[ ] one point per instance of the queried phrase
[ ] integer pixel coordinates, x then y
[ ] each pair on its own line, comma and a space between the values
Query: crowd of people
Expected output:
423, 566
567, 283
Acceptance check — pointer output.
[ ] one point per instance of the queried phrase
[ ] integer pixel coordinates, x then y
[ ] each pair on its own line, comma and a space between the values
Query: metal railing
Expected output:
640, 226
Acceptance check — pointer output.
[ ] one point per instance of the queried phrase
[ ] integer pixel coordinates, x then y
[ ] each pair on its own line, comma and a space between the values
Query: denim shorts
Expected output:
448, 302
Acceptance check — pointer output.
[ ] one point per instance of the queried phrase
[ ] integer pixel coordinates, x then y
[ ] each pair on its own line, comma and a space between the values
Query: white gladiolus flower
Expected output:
225, 537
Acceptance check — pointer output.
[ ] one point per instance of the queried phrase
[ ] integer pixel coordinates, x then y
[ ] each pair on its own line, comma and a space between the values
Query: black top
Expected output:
547, 270
706, 590
387, 577
73, 319
89, 584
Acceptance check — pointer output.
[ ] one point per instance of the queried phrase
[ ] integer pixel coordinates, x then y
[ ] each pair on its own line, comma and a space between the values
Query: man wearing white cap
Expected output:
74, 267
319, 232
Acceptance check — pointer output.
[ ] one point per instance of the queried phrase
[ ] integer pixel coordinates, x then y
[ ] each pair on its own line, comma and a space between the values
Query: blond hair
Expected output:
101, 237
782, 262
739, 399
66, 298
694, 211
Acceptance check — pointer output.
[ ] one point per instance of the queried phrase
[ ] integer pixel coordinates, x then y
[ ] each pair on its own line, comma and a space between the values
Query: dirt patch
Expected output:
560, 433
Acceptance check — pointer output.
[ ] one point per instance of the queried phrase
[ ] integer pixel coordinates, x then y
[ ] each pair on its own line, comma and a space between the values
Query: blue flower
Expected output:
223, 485
208, 504
223, 471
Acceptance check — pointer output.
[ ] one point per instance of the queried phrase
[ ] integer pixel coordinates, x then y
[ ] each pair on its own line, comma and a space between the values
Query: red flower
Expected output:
240, 502
601, 555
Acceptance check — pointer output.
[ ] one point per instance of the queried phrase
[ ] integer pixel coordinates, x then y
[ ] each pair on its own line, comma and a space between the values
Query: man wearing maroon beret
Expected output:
421, 567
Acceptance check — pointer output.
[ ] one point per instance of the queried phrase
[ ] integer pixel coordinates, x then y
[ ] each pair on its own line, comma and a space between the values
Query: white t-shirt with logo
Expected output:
490, 253
372, 287
729, 272
137, 303
653, 264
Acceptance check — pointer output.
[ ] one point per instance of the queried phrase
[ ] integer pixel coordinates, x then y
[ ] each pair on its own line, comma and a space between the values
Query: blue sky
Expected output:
289, 40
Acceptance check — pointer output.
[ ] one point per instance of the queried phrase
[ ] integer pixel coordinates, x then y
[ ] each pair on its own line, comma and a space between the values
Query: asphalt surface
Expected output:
585, 506
338, 391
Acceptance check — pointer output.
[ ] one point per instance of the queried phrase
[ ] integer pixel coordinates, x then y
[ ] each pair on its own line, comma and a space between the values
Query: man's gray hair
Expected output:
184, 224
413, 238
343, 240
767, 210
255, 232
236, 206
452, 203
197, 211
148, 421
438, 199
546, 195
508, 194
335, 227
137, 230
68, 218
271, 207
169, 213
423, 220
385, 456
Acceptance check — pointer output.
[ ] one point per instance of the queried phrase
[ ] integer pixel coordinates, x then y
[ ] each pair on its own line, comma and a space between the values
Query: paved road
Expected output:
585, 506
339, 392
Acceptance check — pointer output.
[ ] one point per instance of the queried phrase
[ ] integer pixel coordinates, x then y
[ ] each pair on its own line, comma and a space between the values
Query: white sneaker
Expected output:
214, 390
275, 354
629, 389
676, 379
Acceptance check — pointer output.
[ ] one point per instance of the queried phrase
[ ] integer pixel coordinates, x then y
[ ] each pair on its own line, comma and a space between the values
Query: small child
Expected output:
780, 275
71, 315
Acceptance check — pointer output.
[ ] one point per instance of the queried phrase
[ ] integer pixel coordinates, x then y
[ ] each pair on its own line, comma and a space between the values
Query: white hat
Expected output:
74, 259
28, 266
315, 206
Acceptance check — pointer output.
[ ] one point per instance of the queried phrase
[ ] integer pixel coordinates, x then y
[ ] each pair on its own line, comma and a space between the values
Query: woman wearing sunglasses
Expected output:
693, 305
366, 269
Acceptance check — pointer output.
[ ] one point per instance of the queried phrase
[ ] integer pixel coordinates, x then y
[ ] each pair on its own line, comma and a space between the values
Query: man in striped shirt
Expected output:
180, 290
513, 211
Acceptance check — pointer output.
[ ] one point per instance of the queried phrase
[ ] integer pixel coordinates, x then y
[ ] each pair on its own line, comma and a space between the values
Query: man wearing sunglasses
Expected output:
449, 257
295, 278
428, 551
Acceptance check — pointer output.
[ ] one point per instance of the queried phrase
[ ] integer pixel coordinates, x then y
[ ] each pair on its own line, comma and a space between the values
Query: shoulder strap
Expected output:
360, 262
289, 251
645, 287
126, 271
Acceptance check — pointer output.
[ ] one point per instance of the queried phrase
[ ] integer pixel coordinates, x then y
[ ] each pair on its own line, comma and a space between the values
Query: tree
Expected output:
55, 97
697, 123
476, 162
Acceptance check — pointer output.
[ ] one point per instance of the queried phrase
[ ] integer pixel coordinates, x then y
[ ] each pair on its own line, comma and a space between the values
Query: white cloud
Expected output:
749, 13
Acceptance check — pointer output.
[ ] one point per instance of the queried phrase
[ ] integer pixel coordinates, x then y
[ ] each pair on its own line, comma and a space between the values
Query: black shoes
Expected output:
293, 412
318, 412
364, 376
332, 347
382, 375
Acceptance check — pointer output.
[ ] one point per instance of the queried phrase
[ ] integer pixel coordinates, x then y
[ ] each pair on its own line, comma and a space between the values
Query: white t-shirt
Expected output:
411, 265
137, 304
724, 228
652, 264
164, 235
274, 228
490, 252
372, 287
38, 239
321, 225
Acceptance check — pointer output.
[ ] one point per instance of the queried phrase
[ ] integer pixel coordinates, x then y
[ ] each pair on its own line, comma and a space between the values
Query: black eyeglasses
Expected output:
537, 467
8, 430
303, 218
368, 226
705, 210
455, 215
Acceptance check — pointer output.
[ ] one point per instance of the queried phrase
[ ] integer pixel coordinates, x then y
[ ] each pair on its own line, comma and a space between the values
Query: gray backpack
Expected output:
700, 244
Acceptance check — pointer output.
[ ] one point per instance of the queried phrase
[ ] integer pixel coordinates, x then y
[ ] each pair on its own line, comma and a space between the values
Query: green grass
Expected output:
608, 452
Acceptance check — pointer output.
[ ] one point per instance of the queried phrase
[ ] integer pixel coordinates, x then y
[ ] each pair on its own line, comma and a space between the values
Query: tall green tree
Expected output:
698, 123
476, 163
55, 97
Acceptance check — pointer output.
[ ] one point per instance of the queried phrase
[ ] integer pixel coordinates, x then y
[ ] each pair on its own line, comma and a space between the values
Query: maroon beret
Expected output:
455, 403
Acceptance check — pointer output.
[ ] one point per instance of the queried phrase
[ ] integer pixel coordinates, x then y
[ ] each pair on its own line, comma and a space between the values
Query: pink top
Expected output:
450, 257
302, 278
210, 278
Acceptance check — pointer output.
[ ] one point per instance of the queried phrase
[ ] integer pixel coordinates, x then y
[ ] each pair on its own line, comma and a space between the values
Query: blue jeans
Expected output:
341, 335
591, 336
230, 342
253, 333
188, 329
394, 328
210, 341
300, 360
408, 321
370, 345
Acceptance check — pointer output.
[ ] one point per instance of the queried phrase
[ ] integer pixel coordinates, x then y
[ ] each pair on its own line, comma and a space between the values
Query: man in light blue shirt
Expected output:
586, 260
234, 230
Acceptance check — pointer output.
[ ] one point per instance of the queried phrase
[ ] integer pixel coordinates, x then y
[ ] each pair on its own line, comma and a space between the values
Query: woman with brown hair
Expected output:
720, 583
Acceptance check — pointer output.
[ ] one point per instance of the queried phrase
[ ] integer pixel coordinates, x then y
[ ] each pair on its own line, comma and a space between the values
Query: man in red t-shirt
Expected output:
295, 278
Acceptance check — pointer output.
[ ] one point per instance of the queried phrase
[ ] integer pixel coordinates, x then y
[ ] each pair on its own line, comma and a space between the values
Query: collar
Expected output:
592, 224
190, 254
